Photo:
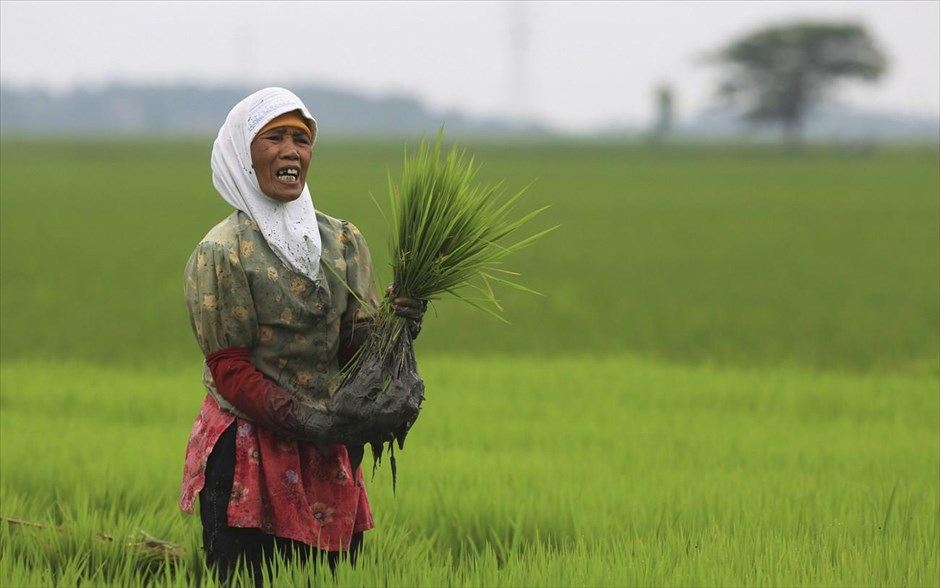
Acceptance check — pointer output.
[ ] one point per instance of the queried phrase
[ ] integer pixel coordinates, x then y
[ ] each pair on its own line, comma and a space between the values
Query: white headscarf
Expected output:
290, 228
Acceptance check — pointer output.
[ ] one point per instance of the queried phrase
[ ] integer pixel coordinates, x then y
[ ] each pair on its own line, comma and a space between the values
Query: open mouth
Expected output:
288, 174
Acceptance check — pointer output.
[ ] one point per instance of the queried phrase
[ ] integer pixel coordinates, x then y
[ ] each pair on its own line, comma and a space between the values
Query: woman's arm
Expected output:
344, 419
241, 383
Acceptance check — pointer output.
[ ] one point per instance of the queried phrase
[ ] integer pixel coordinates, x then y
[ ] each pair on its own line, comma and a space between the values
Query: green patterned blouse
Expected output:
241, 295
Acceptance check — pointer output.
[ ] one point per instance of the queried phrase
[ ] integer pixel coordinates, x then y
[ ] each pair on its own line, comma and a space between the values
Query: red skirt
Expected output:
283, 487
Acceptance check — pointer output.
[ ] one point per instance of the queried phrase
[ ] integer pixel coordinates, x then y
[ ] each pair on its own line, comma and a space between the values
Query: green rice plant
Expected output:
447, 231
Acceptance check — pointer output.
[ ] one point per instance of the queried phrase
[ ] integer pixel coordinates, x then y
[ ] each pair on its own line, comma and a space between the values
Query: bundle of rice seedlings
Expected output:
449, 235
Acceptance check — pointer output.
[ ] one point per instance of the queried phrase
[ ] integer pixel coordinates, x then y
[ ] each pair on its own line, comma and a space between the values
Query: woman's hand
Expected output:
410, 309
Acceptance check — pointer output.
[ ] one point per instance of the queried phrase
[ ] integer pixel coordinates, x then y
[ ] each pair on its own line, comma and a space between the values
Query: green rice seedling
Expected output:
450, 229
449, 233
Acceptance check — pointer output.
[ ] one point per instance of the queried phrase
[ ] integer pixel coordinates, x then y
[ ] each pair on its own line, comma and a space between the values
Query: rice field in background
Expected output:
740, 256
733, 377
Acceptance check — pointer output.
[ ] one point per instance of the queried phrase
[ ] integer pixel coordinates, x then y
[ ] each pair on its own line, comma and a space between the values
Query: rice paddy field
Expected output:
733, 376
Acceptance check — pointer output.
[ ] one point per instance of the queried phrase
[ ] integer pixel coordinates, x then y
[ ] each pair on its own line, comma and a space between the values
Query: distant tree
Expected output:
778, 74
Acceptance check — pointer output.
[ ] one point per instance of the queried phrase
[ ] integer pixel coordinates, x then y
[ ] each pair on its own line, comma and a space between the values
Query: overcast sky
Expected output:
576, 65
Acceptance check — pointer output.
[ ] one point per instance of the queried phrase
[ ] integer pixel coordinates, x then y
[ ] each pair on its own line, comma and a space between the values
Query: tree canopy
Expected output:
779, 73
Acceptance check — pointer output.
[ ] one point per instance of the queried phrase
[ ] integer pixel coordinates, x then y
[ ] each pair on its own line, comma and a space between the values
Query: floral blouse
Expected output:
240, 295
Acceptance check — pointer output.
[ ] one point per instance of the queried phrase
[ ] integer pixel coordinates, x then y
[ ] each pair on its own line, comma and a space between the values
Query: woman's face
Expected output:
280, 158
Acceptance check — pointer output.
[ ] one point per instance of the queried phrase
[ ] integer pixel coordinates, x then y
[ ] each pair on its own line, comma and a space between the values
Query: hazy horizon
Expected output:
571, 66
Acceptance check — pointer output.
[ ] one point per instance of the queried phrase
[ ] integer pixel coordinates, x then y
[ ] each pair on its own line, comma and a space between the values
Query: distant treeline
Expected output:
190, 109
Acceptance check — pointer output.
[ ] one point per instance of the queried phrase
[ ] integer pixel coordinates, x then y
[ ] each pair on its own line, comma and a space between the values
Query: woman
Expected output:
276, 325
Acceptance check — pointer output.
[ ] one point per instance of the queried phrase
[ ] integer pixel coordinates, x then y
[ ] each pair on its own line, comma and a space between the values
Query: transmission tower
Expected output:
519, 30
